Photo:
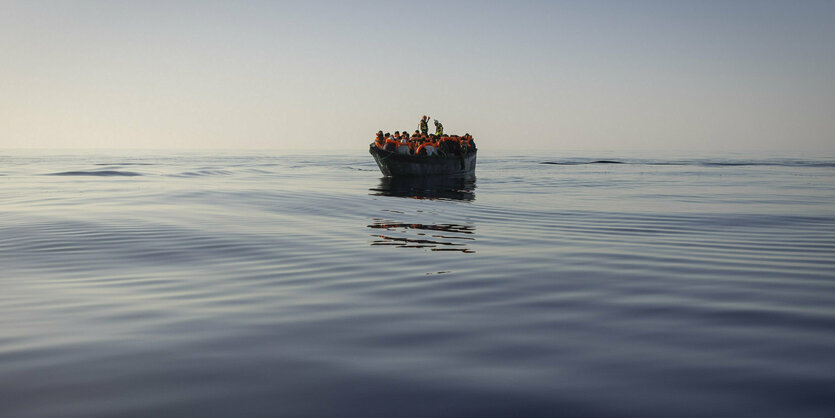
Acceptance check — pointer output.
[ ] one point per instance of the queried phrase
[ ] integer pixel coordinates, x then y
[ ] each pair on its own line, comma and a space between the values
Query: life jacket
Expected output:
403, 147
432, 148
428, 147
391, 144
449, 145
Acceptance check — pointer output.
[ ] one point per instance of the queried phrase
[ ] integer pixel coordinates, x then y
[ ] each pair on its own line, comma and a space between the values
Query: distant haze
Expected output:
530, 75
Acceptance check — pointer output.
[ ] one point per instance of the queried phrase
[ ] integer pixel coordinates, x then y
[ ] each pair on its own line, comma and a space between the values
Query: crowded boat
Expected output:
421, 143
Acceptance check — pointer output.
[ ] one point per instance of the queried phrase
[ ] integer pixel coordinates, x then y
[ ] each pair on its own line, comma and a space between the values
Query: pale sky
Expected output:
530, 75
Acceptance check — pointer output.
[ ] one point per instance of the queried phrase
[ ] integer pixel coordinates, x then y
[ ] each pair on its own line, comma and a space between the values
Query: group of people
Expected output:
422, 143
423, 126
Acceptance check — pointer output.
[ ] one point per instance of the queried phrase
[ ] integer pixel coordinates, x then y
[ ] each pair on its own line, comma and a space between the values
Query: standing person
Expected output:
439, 128
423, 125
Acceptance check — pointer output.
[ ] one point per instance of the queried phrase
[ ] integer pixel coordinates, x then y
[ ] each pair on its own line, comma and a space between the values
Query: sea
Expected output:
560, 284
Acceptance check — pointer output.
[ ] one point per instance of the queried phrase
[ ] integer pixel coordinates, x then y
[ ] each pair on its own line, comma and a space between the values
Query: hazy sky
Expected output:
538, 75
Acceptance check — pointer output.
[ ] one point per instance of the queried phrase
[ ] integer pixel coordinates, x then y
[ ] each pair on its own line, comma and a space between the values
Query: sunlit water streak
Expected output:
194, 284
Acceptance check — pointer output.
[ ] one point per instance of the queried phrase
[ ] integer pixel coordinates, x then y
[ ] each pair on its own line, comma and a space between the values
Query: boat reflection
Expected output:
433, 237
451, 188
422, 229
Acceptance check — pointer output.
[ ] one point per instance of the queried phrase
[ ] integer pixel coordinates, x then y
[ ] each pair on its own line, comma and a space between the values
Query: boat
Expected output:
393, 164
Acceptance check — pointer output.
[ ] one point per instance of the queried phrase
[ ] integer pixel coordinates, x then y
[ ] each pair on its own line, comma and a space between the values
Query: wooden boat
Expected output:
393, 164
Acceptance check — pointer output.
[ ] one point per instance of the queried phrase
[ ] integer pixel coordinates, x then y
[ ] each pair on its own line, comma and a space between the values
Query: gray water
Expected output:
201, 284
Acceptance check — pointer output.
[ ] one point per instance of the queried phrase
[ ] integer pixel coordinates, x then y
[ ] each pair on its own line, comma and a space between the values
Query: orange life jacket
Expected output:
426, 144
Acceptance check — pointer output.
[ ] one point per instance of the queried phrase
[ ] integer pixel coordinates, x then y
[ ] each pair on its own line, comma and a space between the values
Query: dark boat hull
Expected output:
393, 164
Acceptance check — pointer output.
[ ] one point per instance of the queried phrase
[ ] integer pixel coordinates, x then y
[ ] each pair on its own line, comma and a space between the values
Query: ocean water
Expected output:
586, 284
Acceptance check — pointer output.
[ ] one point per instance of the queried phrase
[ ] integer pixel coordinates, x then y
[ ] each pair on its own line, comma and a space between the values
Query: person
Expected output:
468, 143
426, 148
403, 146
423, 125
450, 146
439, 128
379, 140
391, 144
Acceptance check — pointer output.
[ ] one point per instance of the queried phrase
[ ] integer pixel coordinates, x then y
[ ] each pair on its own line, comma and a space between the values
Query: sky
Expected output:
527, 75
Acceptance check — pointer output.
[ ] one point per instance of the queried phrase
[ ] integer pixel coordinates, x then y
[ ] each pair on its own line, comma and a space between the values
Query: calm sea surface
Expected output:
200, 284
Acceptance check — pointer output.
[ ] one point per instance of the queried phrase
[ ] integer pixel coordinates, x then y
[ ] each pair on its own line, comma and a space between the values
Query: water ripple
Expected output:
98, 173
272, 285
